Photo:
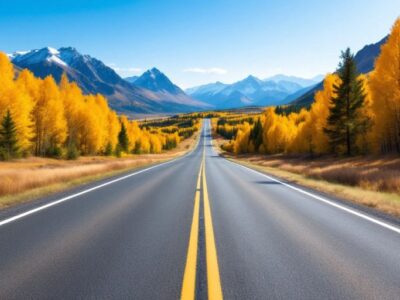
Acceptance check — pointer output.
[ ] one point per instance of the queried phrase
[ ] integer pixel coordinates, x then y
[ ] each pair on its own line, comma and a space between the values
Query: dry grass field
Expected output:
369, 181
24, 179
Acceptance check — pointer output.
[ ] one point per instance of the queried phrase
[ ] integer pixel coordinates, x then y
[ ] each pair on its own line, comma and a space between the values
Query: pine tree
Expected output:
345, 119
123, 140
8, 137
256, 135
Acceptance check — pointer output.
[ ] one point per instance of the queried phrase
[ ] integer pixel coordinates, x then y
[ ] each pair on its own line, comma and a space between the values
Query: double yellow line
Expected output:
189, 277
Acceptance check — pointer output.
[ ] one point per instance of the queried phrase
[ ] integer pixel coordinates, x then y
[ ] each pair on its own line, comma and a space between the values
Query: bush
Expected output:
55, 152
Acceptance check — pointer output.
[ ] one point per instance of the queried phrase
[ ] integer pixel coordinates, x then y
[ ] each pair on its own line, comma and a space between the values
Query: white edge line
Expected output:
37, 209
322, 199
326, 201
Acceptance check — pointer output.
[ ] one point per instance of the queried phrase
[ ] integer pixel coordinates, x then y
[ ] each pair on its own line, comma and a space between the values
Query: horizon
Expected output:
317, 77
162, 38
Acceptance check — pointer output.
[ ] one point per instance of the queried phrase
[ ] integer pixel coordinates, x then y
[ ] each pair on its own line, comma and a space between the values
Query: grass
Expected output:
27, 179
369, 181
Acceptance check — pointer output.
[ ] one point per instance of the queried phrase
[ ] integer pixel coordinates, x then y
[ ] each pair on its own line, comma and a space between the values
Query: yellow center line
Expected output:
188, 291
213, 278
189, 277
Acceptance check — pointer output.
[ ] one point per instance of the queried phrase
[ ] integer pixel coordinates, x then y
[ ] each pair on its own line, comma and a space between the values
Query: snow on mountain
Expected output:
36, 56
249, 91
158, 95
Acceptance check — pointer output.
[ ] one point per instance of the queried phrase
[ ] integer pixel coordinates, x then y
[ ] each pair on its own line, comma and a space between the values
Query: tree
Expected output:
123, 141
48, 114
256, 135
311, 137
384, 85
8, 137
345, 118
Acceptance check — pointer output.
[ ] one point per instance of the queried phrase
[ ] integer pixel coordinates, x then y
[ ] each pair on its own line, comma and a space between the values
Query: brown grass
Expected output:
369, 173
24, 179
370, 181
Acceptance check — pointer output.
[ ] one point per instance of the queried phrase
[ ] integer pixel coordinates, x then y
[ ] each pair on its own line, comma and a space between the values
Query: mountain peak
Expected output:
46, 54
156, 81
252, 77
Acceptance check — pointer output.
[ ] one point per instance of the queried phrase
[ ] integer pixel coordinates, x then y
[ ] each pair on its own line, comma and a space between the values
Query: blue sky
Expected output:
200, 41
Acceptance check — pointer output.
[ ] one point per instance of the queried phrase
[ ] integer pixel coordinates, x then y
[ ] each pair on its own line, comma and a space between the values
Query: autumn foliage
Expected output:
361, 117
58, 120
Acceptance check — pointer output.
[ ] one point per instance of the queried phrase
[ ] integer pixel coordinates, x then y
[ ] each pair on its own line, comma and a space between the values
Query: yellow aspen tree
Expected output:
319, 113
385, 94
269, 121
50, 126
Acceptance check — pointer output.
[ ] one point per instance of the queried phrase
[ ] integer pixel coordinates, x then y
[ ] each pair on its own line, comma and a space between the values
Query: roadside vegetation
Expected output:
52, 135
39, 117
28, 178
349, 136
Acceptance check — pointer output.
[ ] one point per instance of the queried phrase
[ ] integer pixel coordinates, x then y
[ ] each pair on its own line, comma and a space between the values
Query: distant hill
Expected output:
250, 91
93, 76
365, 59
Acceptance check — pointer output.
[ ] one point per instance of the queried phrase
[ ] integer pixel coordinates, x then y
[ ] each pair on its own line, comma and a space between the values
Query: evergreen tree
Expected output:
108, 150
345, 120
8, 137
123, 140
256, 135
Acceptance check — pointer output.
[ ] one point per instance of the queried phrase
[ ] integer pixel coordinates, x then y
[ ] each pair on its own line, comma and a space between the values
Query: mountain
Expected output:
93, 76
298, 80
157, 82
365, 60
249, 91
131, 79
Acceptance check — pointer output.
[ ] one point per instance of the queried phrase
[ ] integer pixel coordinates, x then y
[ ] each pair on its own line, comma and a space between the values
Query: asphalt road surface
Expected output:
199, 226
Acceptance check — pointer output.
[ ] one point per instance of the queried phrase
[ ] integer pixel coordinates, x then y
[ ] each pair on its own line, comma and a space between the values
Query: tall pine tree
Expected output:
123, 141
8, 137
256, 135
345, 120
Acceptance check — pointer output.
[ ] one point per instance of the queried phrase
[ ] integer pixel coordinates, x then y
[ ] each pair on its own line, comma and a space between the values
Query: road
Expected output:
195, 227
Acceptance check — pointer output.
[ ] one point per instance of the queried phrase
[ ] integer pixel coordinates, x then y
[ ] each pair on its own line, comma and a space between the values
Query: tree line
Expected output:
354, 114
42, 118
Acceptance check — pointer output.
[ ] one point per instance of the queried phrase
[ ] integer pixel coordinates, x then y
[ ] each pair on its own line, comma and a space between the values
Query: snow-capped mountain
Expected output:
249, 91
157, 82
93, 76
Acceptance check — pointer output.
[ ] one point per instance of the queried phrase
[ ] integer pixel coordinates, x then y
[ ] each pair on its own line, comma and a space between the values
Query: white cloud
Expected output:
218, 71
125, 70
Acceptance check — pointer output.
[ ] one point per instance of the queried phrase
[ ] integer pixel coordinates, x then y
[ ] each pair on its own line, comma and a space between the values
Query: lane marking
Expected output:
324, 200
213, 277
59, 201
189, 278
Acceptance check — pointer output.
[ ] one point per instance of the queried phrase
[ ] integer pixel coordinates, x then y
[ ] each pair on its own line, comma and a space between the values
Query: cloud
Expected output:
125, 70
218, 71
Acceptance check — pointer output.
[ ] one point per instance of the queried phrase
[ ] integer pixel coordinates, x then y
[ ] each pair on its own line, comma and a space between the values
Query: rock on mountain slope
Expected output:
249, 91
365, 60
93, 76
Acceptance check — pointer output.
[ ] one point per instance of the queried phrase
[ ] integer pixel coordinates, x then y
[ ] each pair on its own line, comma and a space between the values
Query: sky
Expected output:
201, 41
